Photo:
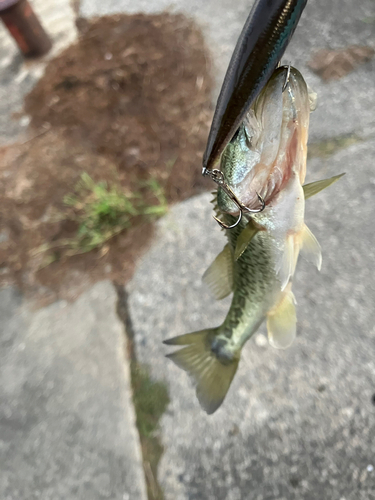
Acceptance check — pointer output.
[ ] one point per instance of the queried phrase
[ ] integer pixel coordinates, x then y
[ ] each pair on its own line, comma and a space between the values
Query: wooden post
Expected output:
25, 28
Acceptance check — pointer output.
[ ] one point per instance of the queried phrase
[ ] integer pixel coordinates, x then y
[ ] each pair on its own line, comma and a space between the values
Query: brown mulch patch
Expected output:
129, 101
334, 64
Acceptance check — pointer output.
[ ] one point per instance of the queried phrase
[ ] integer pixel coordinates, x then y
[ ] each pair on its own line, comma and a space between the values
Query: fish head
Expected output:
270, 145
239, 157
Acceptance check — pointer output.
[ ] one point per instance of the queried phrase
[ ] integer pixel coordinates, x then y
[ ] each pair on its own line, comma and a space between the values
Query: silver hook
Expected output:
218, 177
225, 226
286, 79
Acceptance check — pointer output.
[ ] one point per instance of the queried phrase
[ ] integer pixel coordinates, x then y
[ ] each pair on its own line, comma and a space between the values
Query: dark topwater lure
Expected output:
264, 38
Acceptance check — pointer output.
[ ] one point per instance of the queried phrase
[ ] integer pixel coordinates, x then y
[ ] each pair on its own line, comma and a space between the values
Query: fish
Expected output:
259, 49
267, 155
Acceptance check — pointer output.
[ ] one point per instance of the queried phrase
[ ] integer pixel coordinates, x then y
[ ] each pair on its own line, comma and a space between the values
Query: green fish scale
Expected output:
235, 163
255, 285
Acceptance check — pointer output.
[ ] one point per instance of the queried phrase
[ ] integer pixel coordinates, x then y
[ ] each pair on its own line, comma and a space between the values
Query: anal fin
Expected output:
219, 276
310, 248
282, 321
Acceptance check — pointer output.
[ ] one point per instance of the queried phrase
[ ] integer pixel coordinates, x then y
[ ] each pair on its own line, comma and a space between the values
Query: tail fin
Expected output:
211, 376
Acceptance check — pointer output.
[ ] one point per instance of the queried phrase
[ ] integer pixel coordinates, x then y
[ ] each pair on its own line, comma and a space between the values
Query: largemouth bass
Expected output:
268, 156
262, 42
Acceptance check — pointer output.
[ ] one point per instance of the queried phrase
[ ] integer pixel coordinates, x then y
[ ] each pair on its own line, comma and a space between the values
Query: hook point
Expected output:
225, 226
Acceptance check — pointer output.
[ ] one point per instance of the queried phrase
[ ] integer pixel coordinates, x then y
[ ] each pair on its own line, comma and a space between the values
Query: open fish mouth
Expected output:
270, 144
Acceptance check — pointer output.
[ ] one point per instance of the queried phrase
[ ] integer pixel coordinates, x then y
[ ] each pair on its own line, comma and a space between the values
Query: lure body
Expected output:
264, 38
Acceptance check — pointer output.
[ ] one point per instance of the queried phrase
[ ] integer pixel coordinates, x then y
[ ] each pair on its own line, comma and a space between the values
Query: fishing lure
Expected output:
264, 38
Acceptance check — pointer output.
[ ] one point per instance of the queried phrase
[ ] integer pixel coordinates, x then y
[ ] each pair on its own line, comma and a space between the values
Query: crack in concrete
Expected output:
150, 399
122, 310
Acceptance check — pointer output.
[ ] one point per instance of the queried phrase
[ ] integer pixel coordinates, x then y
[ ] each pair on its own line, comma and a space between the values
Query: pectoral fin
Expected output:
244, 238
219, 276
315, 187
310, 248
282, 321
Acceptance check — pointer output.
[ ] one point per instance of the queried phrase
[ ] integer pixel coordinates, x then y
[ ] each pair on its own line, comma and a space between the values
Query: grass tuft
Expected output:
101, 212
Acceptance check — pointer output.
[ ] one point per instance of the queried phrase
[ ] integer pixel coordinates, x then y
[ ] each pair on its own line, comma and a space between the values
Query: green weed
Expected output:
103, 211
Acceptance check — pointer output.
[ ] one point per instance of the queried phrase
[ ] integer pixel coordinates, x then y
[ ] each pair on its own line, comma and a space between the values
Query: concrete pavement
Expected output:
345, 106
18, 76
67, 423
297, 424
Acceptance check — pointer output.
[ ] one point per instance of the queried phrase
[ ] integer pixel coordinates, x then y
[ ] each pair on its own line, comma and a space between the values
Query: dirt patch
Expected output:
334, 64
129, 102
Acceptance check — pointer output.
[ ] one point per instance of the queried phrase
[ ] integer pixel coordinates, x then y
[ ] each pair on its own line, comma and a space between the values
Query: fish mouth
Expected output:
274, 144
267, 181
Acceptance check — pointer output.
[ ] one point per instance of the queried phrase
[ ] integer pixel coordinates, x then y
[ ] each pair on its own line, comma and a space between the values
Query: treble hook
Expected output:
218, 177
286, 78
